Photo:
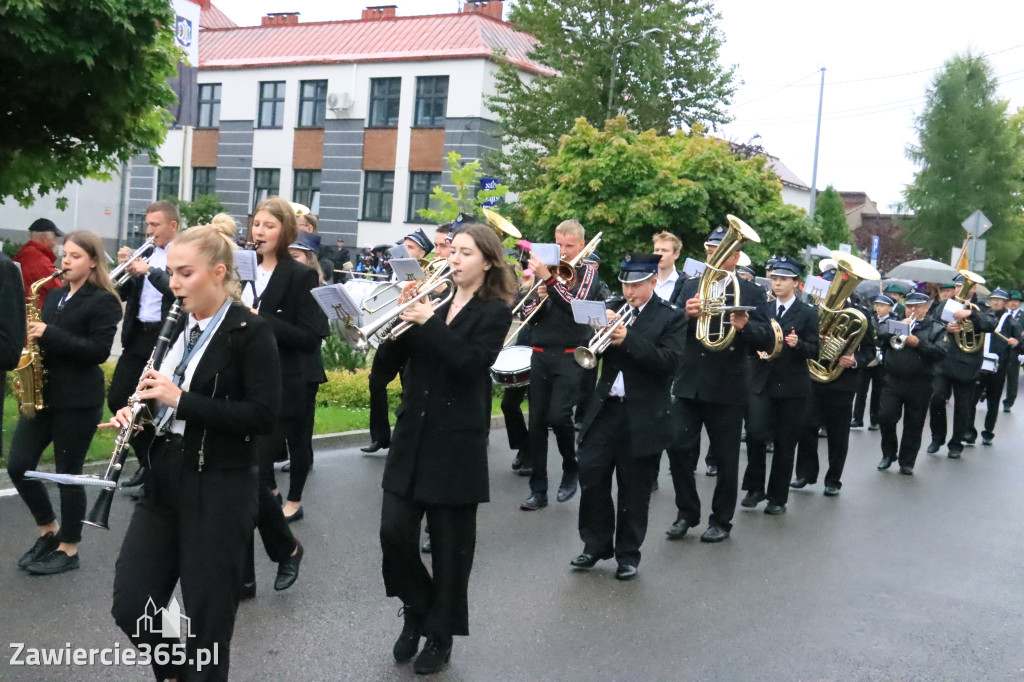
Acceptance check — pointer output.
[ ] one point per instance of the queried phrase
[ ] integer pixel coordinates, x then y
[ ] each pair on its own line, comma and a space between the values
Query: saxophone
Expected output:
30, 373
841, 329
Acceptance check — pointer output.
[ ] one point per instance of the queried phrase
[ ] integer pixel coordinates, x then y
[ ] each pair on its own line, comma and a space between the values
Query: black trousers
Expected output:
724, 424
909, 397
606, 450
190, 527
831, 409
293, 437
588, 382
70, 431
786, 418
3, 397
382, 373
963, 394
554, 385
871, 377
440, 599
515, 422
990, 385
134, 357
278, 540
1012, 380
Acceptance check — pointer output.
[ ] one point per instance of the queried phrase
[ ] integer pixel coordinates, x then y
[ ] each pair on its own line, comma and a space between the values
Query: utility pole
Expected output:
817, 139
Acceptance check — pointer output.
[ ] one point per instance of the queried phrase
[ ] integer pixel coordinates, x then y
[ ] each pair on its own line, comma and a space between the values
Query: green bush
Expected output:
11, 248
336, 354
352, 390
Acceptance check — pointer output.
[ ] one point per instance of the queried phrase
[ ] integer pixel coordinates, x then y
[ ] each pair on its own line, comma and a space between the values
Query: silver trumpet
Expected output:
586, 356
899, 341
390, 326
120, 274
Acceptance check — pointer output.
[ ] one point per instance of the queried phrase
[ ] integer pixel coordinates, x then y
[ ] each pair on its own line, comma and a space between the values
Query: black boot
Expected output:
408, 643
435, 654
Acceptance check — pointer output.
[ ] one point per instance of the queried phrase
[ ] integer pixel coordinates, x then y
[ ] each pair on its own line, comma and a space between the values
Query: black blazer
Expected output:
721, 377
961, 366
131, 294
76, 342
439, 447
648, 359
12, 314
787, 375
299, 326
235, 392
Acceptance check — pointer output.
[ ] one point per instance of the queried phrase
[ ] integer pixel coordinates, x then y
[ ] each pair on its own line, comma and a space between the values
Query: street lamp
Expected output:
615, 62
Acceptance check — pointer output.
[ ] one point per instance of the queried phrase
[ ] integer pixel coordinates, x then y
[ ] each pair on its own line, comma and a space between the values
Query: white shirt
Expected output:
173, 357
664, 289
618, 389
151, 298
262, 278
785, 306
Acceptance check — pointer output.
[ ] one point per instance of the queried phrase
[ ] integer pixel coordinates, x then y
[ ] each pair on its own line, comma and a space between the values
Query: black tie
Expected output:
635, 312
193, 338
782, 310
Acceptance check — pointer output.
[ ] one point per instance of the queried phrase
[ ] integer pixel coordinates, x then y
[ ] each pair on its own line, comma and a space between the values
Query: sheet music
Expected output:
398, 251
952, 305
245, 265
548, 254
693, 268
817, 287
71, 479
589, 312
897, 328
406, 269
334, 300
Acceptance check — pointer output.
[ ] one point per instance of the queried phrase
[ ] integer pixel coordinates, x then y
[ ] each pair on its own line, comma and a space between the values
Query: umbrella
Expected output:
924, 270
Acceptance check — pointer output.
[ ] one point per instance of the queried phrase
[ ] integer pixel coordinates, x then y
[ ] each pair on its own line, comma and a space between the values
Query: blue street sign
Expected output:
874, 247
490, 183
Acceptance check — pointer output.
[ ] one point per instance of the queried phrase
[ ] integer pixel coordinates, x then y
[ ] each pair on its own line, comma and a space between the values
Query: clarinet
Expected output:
100, 512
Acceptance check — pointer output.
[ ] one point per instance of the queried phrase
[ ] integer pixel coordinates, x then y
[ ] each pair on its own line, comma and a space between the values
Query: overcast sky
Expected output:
879, 58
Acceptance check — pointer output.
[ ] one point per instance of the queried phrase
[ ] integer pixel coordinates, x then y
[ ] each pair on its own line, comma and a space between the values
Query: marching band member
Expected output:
668, 247
627, 423
218, 386
1013, 366
77, 328
908, 384
782, 390
1000, 350
871, 376
711, 391
893, 291
437, 464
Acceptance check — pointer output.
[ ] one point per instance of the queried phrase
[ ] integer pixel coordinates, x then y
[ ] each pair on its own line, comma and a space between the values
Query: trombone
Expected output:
586, 356
120, 274
389, 327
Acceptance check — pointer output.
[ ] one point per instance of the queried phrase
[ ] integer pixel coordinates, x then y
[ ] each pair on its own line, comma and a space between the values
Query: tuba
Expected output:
30, 374
713, 283
841, 329
968, 339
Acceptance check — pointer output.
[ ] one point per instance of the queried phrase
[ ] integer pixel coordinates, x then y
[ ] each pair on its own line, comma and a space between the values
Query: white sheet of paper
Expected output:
589, 312
245, 265
548, 254
398, 251
952, 305
693, 268
897, 328
816, 286
70, 479
407, 269
334, 300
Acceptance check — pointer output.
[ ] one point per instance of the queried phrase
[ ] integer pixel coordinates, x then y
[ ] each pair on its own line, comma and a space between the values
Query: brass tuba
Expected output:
968, 339
713, 284
30, 373
841, 329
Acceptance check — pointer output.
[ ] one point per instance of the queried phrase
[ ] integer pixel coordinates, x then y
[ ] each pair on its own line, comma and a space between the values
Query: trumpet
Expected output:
431, 268
120, 274
899, 341
586, 356
390, 326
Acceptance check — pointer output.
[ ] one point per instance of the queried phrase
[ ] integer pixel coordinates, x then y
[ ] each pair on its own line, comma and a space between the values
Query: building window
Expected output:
167, 182
136, 235
420, 187
204, 181
385, 94
271, 104
431, 100
378, 192
312, 104
307, 189
209, 105
267, 184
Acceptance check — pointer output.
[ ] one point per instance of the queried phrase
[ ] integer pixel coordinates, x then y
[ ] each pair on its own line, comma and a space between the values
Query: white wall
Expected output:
797, 197
92, 205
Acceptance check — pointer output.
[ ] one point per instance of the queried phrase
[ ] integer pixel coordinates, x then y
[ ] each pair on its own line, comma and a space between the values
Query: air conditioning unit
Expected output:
337, 103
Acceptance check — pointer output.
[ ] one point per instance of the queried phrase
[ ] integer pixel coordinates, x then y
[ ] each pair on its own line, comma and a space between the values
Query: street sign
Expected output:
977, 224
846, 248
490, 183
976, 252
874, 251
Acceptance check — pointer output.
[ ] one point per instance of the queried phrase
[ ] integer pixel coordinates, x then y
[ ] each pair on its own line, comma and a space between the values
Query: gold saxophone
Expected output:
968, 339
714, 280
841, 329
30, 373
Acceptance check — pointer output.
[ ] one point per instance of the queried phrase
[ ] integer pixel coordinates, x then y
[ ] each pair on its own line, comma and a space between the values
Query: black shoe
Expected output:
587, 560
954, 453
375, 446
525, 471
798, 483
408, 643
873, 427
857, 424
933, 448
752, 499
570, 482
297, 516
885, 463
907, 471
248, 591
436, 652
517, 463
288, 570
1006, 408
534, 502
986, 438
714, 534
712, 470
53, 563
678, 529
426, 547
831, 491
44, 545
969, 440
822, 433
137, 478
775, 509
625, 572
286, 467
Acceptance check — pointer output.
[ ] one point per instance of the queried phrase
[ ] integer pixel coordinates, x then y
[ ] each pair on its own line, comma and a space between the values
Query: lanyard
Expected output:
179, 371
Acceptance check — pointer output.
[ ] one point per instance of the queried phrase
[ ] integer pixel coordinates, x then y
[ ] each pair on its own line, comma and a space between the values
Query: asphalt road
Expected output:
897, 579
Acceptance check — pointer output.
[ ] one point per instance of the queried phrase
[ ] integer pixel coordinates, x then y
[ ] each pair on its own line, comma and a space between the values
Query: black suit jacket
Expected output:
12, 314
131, 294
647, 358
76, 342
299, 326
439, 447
787, 375
234, 394
961, 366
721, 377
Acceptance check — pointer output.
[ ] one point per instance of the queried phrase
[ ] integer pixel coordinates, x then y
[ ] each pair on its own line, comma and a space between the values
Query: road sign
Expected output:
490, 183
874, 251
977, 224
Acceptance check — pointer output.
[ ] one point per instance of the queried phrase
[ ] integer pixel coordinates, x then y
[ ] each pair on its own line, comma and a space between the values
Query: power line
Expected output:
769, 94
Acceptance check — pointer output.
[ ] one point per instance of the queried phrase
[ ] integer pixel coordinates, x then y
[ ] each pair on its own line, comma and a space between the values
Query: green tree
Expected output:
468, 197
630, 185
969, 156
662, 80
199, 211
830, 214
83, 88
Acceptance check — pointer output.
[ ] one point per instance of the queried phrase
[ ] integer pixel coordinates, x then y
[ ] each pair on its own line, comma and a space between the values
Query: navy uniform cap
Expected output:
421, 238
999, 293
307, 241
745, 269
959, 279
885, 300
785, 266
636, 267
916, 298
716, 237
772, 259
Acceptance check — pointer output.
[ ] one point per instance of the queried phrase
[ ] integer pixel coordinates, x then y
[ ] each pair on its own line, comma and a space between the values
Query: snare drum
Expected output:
512, 368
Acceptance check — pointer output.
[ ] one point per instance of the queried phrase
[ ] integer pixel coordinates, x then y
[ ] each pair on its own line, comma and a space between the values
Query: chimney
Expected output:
378, 13
491, 8
281, 19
